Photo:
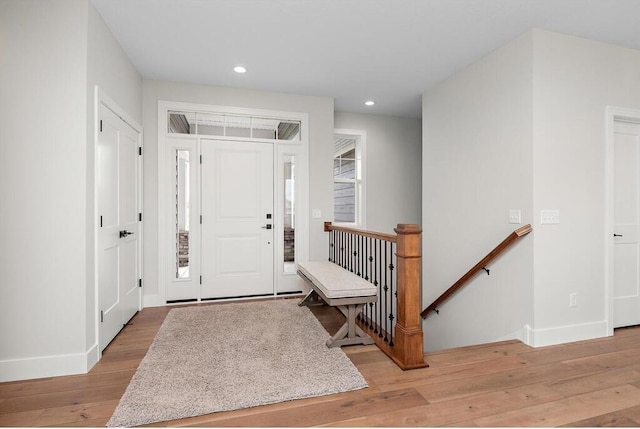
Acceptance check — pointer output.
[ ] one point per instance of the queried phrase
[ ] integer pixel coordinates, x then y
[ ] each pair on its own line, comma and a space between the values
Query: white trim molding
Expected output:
48, 366
564, 334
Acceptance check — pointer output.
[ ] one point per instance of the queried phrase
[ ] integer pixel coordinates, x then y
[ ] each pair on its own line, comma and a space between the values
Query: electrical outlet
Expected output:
573, 300
316, 213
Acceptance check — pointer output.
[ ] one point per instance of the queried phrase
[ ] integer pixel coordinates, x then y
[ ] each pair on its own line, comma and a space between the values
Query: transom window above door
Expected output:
227, 125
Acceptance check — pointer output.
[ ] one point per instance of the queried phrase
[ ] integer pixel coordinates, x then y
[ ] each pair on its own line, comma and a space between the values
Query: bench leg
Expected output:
312, 298
349, 333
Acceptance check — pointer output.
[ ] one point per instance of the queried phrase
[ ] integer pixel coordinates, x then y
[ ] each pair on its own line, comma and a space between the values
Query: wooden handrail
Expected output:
405, 343
512, 238
328, 226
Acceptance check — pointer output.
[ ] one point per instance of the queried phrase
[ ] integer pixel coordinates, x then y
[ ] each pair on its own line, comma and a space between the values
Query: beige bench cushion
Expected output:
334, 281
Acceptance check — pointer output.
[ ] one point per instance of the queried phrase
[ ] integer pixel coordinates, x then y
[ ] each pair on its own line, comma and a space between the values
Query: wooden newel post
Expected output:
408, 348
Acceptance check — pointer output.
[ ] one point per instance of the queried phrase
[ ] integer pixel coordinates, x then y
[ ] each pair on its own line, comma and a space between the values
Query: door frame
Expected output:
281, 148
100, 97
613, 114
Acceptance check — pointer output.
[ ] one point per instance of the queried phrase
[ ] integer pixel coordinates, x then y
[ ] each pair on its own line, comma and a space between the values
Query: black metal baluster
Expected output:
343, 250
346, 250
366, 257
372, 280
351, 254
354, 252
386, 290
359, 251
375, 283
394, 302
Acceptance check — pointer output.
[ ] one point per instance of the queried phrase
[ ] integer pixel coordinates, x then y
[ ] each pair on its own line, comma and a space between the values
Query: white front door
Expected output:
237, 219
626, 239
119, 229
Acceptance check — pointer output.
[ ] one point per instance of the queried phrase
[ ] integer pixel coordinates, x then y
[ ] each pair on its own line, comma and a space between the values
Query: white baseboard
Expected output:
93, 356
48, 366
564, 334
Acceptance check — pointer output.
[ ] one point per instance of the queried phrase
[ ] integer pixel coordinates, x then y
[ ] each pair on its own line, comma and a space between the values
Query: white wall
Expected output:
574, 81
42, 183
320, 112
47, 319
477, 165
393, 168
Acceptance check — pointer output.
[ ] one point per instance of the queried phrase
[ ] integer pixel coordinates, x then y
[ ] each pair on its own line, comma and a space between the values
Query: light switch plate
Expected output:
549, 216
316, 213
515, 216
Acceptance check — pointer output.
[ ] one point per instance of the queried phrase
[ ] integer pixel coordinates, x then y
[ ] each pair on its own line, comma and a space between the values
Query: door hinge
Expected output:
100, 125
200, 279
101, 316
100, 221
200, 219
140, 150
200, 159
139, 217
139, 282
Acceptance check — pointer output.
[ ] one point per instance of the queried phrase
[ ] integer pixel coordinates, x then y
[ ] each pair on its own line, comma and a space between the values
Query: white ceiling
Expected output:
352, 50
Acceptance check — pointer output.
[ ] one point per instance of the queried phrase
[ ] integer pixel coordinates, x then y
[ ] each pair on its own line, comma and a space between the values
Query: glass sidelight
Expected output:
182, 199
289, 212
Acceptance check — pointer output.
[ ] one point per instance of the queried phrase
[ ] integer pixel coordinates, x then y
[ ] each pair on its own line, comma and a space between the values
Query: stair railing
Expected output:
482, 265
393, 264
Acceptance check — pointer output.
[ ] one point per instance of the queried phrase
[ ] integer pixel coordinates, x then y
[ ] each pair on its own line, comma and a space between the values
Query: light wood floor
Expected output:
590, 383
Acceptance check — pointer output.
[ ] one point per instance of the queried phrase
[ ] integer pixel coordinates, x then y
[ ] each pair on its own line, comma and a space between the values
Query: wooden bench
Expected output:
339, 288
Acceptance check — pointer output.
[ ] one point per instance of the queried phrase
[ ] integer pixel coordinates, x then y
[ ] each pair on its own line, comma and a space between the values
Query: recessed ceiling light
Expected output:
369, 103
239, 69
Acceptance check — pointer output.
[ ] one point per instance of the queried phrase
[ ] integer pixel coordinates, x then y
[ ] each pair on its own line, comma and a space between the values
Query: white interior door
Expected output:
237, 219
119, 231
626, 297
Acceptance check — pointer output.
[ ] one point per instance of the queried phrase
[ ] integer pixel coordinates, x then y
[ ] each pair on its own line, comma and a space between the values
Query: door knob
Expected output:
124, 233
267, 226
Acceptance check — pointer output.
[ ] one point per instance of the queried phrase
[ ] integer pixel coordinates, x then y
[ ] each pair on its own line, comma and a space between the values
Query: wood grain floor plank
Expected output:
606, 420
61, 384
584, 383
24, 418
572, 409
448, 374
61, 399
65, 416
476, 353
468, 408
508, 378
605, 361
633, 413
327, 412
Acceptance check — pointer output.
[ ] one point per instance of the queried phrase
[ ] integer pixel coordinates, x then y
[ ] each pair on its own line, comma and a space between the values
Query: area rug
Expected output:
231, 356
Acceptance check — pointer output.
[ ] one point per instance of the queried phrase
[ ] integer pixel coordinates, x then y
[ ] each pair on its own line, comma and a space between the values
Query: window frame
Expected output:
360, 182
